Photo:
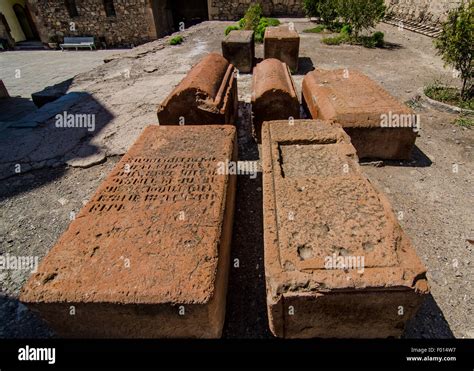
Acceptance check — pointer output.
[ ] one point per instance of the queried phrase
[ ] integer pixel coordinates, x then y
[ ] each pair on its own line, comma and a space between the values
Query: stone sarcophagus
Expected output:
206, 96
337, 263
380, 127
148, 256
274, 95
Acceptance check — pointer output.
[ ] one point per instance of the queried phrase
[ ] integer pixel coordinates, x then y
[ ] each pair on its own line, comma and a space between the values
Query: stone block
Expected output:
238, 47
380, 127
337, 263
206, 96
148, 256
282, 43
274, 95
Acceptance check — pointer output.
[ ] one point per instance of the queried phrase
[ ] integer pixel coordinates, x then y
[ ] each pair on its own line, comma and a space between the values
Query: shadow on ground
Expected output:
14, 108
246, 313
37, 142
392, 46
428, 323
418, 159
305, 65
19, 322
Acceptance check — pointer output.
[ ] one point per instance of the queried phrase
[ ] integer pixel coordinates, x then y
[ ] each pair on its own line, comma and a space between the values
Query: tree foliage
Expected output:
456, 44
361, 14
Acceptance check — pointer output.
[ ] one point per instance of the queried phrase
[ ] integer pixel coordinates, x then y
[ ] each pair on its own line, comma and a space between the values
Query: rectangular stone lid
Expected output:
350, 98
151, 232
239, 36
281, 32
318, 205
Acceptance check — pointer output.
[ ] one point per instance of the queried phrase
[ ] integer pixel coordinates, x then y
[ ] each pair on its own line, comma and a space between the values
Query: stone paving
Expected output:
39, 69
28, 72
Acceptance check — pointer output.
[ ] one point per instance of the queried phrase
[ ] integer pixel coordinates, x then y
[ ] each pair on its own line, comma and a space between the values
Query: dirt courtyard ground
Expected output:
60, 169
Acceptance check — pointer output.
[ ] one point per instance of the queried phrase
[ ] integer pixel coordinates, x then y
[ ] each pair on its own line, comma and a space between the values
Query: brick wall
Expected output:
133, 23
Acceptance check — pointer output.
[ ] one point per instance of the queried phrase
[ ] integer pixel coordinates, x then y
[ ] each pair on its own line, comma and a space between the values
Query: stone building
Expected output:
125, 22
113, 22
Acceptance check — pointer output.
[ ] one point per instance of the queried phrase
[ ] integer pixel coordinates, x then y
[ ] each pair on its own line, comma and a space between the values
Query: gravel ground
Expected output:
434, 191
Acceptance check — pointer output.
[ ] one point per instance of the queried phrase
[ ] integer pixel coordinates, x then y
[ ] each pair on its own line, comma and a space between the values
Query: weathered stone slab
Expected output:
3, 91
148, 256
206, 96
282, 43
238, 47
337, 263
274, 95
379, 126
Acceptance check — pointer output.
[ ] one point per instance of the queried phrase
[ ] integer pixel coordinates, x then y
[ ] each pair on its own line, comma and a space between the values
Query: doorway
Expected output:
170, 14
26, 22
189, 13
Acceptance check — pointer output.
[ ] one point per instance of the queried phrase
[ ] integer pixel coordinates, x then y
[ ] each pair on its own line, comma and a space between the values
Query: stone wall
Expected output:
132, 24
235, 9
431, 12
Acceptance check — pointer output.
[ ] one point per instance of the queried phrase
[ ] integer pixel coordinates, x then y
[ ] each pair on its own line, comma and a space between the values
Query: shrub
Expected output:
176, 40
465, 121
231, 28
449, 95
361, 14
456, 46
262, 26
317, 29
374, 41
260, 31
346, 30
253, 20
378, 38
252, 17
273, 22
337, 40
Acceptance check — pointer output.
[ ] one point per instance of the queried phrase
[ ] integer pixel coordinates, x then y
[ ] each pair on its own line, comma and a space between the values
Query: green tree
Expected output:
361, 14
311, 8
325, 9
456, 44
